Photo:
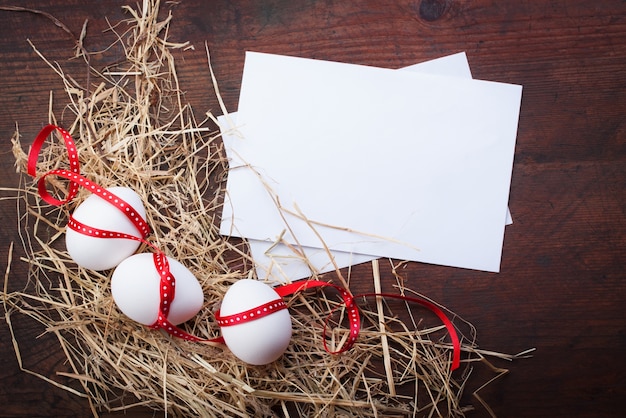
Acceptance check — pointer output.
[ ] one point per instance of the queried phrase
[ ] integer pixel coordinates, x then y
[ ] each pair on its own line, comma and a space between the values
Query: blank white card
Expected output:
381, 162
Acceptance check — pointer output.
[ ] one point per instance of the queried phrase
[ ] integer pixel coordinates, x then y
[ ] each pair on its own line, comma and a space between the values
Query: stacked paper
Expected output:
344, 163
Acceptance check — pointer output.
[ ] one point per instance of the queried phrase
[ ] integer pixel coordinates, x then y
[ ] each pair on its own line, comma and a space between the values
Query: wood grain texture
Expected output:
562, 285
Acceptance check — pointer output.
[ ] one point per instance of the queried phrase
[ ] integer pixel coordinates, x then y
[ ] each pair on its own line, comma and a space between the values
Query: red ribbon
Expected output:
73, 159
167, 280
257, 312
456, 343
348, 301
353, 314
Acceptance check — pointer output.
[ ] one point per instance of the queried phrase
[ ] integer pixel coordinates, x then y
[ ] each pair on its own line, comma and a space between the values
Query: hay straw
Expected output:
134, 129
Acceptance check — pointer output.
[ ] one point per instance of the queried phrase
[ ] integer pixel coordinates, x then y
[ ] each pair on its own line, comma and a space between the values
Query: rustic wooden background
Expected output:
562, 284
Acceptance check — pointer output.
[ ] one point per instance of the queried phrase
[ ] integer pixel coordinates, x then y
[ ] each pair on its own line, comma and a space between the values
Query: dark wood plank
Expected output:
562, 284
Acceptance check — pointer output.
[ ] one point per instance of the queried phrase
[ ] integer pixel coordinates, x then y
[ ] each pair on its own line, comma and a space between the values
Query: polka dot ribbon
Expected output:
251, 314
167, 280
353, 314
76, 181
167, 287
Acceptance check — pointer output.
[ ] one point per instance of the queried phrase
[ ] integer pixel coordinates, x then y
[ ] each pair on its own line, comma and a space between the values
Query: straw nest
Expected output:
134, 129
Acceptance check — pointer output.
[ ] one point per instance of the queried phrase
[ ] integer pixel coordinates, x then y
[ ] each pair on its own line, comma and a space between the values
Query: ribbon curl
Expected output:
167, 279
353, 314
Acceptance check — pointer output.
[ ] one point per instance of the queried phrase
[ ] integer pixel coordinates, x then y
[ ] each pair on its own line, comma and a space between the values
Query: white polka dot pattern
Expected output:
251, 314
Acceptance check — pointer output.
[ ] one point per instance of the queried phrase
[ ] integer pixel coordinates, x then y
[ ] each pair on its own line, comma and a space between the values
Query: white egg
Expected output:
261, 340
104, 253
135, 286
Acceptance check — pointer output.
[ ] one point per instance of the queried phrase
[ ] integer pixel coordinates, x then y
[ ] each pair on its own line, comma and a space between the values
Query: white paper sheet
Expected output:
280, 263
475, 123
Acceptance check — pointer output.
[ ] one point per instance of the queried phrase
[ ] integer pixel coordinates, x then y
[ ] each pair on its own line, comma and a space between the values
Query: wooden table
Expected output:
562, 283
